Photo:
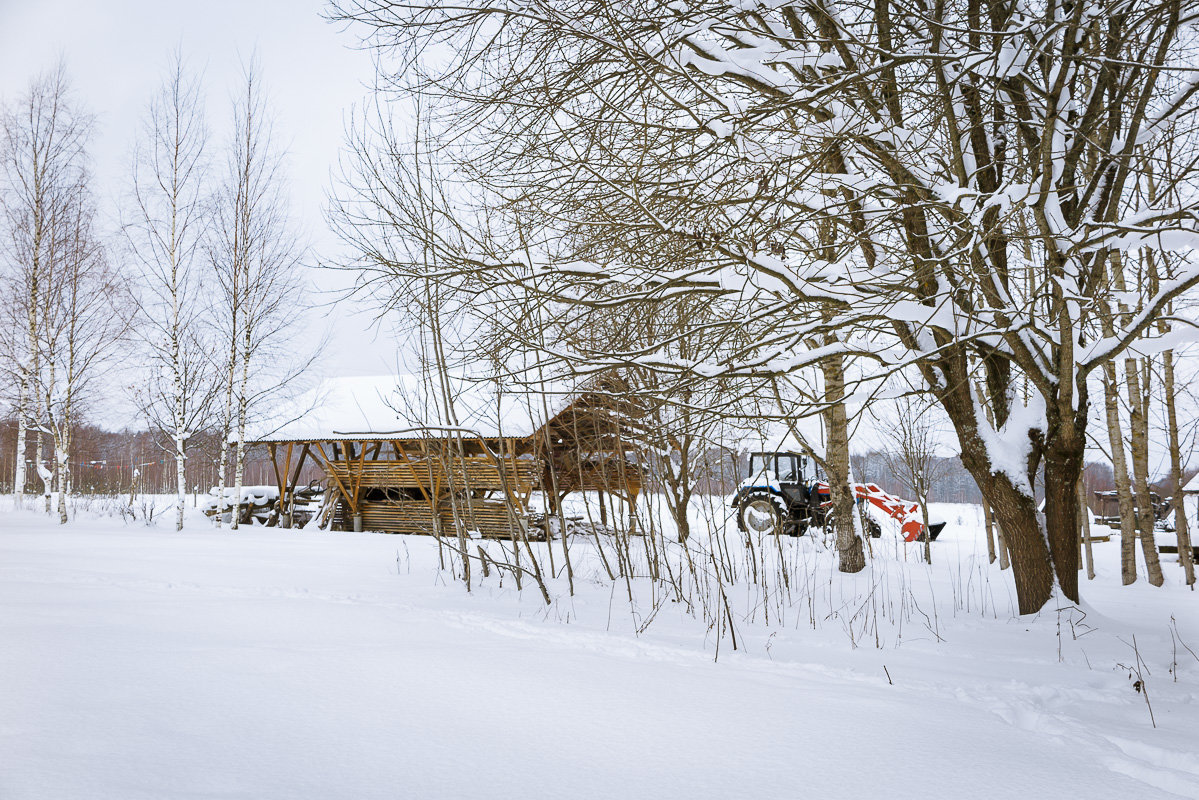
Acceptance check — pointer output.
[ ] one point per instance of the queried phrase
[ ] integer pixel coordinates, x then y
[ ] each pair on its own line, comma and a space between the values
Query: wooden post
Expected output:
337, 480
1086, 529
284, 513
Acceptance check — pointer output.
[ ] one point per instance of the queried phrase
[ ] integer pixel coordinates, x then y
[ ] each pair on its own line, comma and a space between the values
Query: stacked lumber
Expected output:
520, 475
489, 518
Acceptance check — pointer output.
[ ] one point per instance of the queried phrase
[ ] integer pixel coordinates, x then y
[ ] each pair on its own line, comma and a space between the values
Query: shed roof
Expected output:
408, 407
1192, 484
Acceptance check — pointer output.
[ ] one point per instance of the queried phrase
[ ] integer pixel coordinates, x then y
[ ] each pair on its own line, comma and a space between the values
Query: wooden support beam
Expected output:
270, 448
295, 477
356, 481
283, 489
333, 474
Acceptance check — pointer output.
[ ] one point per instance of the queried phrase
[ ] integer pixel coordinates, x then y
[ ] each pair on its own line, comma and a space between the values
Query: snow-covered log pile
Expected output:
260, 504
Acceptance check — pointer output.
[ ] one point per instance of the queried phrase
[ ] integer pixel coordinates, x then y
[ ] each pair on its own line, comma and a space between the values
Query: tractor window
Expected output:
757, 463
788, 470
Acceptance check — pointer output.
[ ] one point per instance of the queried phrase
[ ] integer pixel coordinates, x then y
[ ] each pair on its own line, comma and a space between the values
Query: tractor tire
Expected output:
760, 513
873, 529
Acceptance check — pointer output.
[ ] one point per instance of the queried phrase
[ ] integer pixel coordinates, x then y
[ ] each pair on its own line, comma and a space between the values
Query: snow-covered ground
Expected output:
137, 662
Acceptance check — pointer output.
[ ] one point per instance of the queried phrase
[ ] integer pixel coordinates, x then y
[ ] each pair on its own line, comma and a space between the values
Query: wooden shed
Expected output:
399, 458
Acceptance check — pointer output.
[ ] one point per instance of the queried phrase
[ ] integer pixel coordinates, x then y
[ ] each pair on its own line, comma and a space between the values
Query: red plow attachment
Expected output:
906, 513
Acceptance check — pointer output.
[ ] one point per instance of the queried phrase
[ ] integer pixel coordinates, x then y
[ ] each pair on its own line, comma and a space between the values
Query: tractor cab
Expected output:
791, 473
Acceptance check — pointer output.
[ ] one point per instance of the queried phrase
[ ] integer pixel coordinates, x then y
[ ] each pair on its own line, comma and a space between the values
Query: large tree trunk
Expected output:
1016, 513
1063, 469
1011, 499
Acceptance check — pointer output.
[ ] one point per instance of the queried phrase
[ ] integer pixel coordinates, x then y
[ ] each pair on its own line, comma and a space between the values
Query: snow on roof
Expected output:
1192, 484
408, 407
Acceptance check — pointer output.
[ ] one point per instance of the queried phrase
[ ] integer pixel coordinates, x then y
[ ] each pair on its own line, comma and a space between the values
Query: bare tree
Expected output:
256, 261
43, 150
171, 211
915, 459
84, 326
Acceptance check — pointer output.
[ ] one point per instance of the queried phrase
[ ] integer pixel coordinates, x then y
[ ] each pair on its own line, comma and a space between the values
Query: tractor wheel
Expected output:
760, 513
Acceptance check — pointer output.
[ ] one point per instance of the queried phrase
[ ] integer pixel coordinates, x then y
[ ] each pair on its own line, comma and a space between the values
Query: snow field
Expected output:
144, 663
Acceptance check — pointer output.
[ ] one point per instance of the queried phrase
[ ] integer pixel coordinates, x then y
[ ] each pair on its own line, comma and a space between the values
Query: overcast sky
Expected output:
116, 52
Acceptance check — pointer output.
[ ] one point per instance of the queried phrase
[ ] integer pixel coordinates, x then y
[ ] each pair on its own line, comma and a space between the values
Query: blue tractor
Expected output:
786, 492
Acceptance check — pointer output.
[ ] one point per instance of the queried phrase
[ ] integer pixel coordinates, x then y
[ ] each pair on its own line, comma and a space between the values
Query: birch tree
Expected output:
169, 198
44, 135
256, 261
84, 324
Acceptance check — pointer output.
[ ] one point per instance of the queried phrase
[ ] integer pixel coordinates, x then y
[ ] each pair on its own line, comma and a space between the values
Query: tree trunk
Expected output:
1139, 425
989, 524
1186, 556
180, 483
242, 409
1063, 469
1016, 513
38, 457
1115, 435
1085, 517
922, 498
178, 415
226, 432
18, 481
850, 555
62, 452
1012, 503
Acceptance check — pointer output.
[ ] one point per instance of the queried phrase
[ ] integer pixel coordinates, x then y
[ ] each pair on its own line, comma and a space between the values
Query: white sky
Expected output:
116, 52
